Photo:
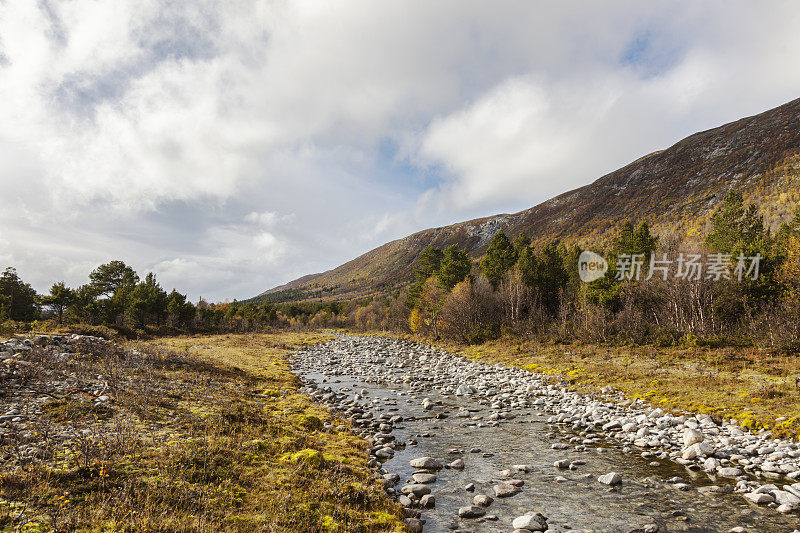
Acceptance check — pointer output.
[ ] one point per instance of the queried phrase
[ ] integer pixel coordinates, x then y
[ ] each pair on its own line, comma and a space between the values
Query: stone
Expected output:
759, 498
783, 497
530, 522
423, 477
428, 463
504, 490
428, 501
458, 464
414, 525
471, 511
482, 500
729, 471
692, 436
698, 449
612, 478
417, 489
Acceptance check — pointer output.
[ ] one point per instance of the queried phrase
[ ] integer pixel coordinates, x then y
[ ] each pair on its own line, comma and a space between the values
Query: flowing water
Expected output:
575, 502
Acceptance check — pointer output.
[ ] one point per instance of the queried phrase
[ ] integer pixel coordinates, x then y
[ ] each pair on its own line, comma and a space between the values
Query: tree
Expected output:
431, 301
179, 310
426, 265
415, 320
108, 278
636, 242
735, 226
59, 299
84, 306
455, 266
521, 242
17, 298
552, 276
148, 301
498, 259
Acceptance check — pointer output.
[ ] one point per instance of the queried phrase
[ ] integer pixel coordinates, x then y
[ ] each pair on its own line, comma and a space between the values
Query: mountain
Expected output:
673, 189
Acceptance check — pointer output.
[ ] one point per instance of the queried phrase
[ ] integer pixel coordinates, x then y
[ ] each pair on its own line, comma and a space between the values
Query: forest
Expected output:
740, 286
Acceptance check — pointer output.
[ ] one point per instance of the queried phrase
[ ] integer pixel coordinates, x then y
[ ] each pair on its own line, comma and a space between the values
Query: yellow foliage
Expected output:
415, 320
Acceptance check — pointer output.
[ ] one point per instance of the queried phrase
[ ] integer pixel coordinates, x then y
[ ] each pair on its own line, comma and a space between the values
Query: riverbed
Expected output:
558, 465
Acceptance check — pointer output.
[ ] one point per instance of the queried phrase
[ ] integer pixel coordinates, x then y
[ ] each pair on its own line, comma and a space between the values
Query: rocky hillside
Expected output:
674, 189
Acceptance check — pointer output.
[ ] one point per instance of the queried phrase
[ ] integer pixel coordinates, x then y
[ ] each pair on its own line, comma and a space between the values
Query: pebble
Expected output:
504, 490
612, 478
471, 511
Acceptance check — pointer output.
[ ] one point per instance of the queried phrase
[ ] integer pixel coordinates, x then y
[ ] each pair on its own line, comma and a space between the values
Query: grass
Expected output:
207, 434
759, 389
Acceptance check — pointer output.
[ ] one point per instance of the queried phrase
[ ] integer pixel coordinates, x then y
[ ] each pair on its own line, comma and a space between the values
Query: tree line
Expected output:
739, 286
655, 291
116, 297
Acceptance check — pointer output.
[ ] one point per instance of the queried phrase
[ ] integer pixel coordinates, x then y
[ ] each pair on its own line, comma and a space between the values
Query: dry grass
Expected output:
755, 387
207, 434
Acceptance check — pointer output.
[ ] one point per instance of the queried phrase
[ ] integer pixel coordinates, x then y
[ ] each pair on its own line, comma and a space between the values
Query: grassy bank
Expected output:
205, 434
758, 389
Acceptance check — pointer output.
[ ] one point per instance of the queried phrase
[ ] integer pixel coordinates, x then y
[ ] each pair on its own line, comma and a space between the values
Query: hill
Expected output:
673, 189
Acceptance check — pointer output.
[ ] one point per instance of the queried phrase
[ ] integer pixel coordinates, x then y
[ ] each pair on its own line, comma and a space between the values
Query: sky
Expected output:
229, 147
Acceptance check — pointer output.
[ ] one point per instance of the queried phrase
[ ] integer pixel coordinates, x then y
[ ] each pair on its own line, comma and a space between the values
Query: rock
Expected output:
427, 501
421, 477
783, 497
482, 500
759, 498
698, 449
394, 479
458, 464
530, 522
711, 464
692, 436
562, 464
384, 453
471, 511
428, 463
414, 525
469, 487
612, 478
729, 471
504, 490
405, 501
417, 489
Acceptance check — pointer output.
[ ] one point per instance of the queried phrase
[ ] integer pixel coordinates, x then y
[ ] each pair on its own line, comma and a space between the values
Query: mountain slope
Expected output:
673, 189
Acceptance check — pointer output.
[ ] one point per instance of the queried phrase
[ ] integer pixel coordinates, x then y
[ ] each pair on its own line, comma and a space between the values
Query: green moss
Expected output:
311, 422
307, 456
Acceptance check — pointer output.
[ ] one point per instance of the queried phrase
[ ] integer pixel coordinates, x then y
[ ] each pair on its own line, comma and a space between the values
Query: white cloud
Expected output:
232, 146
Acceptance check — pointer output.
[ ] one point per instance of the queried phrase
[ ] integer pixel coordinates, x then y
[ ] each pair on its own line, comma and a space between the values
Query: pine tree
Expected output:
17, 298
736, 227
426, 265
500, 257
521, 242
454, 267
59, 299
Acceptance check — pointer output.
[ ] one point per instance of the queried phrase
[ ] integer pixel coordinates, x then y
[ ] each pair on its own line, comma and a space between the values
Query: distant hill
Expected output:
673, 189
